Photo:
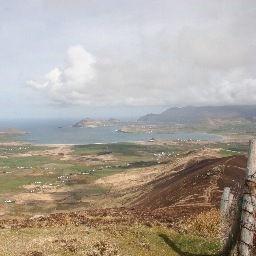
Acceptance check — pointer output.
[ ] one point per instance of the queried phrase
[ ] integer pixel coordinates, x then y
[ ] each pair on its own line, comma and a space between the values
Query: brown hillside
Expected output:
199, 184
168, 200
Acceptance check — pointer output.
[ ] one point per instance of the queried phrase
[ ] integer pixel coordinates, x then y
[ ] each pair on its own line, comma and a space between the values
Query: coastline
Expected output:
35, 143
130, 138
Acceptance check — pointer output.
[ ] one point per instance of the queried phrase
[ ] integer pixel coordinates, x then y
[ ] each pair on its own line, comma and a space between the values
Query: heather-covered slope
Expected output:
199, 184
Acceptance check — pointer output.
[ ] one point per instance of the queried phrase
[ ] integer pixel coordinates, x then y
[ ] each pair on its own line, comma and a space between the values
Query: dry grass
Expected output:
55, 241
205, 224
102, 240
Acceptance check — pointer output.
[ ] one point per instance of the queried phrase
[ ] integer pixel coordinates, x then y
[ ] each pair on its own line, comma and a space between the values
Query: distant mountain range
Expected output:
197, 114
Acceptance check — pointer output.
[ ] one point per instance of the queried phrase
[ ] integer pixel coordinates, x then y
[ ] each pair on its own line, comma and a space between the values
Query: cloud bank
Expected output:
211, 61
150, 81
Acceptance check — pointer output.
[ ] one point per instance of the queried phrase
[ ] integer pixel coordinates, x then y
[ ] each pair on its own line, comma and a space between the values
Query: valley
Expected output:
158, 188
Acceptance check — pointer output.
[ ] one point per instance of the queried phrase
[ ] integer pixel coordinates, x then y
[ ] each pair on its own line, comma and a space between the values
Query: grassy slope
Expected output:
109, 240
135, 239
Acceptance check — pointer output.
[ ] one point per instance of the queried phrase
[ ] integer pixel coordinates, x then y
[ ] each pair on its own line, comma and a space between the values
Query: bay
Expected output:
62, 132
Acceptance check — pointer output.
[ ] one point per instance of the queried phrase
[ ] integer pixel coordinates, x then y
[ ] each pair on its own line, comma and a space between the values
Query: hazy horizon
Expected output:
124, 59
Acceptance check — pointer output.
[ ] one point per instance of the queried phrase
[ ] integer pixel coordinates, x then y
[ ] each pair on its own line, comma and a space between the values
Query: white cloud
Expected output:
37, 85
72, 84
208, 58
165, 79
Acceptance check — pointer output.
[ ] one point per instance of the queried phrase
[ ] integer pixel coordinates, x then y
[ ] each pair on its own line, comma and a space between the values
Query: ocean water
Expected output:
49, 132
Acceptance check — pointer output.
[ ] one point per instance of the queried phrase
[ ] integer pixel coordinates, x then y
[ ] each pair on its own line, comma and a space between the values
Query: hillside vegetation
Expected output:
148, 198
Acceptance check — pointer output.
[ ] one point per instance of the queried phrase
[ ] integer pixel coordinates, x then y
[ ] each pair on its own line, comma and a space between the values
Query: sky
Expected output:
124, 58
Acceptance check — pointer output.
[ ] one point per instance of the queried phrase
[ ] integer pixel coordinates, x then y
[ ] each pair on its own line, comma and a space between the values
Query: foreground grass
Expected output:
109, 240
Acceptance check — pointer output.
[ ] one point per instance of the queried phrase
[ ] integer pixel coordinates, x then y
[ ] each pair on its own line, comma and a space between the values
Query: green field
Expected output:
69, 180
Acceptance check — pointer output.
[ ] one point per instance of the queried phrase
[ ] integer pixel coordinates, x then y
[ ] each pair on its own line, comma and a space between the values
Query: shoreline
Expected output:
23, 142
156, 138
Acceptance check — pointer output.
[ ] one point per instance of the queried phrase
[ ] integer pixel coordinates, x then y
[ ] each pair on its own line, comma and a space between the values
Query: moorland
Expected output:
157, 197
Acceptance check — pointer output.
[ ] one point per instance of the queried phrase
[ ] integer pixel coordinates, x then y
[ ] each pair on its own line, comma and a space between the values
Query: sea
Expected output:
55, 131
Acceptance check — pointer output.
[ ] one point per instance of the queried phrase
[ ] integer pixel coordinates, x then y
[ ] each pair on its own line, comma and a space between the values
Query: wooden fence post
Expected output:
232, 238
226, 202
245, 243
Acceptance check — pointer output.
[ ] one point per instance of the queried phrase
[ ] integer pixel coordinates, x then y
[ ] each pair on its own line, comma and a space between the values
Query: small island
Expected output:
93, 123
13, 131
